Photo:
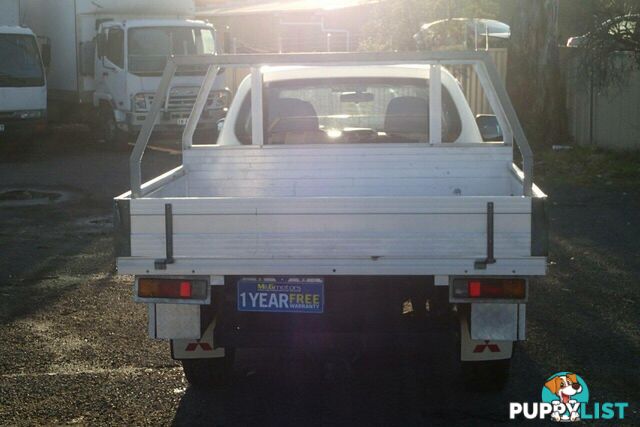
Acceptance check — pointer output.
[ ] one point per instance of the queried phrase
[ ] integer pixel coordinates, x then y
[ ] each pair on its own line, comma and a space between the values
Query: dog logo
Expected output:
567, 392
565, 399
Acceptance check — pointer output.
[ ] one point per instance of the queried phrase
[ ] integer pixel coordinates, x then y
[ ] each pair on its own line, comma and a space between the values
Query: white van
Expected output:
23, 89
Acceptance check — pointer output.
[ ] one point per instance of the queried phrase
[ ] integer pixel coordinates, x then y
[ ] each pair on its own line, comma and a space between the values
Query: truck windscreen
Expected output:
149, 47
20, 64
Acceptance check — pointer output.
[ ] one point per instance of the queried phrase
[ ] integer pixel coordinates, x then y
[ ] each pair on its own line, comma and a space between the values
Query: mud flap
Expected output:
502, 322
197, 349
481, 350
169, 321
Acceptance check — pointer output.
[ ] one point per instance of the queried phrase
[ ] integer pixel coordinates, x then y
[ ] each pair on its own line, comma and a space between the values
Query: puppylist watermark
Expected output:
565, 398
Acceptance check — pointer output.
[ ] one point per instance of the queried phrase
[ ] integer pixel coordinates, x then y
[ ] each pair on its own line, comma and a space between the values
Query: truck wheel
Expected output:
108, 130
487, 376
209, 373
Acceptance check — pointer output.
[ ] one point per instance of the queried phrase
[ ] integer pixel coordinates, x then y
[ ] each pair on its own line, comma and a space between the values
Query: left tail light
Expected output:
470, 289
177, 289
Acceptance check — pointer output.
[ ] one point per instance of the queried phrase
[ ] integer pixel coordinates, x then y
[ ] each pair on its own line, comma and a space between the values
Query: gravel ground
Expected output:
75, 350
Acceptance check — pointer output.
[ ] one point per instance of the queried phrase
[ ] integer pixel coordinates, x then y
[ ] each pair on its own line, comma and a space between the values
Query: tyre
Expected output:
108, 130
487, 376
209, 373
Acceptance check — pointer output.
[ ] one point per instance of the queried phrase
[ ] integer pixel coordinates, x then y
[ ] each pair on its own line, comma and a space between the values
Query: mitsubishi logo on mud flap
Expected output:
493, 348
193, 346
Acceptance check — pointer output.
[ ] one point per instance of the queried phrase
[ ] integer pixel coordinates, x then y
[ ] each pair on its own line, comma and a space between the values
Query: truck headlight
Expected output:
140, 102
30, 114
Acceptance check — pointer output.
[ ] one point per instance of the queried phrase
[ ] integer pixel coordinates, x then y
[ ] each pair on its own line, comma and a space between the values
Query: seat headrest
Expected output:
407, 114
292, 115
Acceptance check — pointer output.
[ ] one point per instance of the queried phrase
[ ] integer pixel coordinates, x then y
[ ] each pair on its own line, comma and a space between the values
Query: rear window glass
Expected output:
348, 111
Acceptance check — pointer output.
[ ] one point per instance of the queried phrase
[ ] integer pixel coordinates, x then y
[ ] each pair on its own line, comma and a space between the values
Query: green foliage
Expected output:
610, 50
394, 22
487, 9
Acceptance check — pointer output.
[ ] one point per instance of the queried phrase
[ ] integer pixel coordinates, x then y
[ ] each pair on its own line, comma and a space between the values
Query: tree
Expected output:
534, 79
394, 22
610, 50
575, 17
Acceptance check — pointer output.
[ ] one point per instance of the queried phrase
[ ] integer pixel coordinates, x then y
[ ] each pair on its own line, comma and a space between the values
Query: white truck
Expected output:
23, 90
350, 199
108, 55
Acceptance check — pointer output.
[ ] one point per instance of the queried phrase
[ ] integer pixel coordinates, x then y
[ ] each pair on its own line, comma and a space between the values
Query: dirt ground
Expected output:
74, 349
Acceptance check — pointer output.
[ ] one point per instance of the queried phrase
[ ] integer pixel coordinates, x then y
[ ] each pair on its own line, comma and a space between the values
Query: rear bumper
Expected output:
372, 312
359, 311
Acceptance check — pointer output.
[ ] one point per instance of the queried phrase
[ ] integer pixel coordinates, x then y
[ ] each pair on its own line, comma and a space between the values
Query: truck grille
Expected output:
180, 101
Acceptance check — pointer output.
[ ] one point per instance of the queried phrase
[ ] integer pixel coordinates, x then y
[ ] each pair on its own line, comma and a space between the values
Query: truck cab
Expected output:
130, 57
23, 90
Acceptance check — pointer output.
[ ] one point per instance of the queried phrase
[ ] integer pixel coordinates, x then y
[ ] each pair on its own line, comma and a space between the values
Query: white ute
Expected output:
351, 200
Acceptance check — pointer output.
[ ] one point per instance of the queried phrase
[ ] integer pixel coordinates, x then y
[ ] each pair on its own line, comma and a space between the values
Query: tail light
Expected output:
179, 289
489, 288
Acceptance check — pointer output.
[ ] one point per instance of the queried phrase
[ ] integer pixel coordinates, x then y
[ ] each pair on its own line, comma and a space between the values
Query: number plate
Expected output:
182, 122
1, 128
282, 295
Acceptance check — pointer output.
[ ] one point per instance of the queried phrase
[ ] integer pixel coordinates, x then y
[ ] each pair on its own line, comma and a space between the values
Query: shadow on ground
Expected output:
384, 388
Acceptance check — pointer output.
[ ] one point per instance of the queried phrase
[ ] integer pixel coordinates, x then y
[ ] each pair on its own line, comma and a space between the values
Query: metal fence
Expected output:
603, 117
471, 85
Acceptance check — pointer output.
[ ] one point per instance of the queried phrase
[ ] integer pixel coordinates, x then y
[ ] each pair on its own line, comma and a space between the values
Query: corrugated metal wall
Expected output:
604, 118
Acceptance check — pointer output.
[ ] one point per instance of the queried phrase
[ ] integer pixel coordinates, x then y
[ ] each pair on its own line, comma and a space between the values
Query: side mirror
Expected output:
220, 124
489, 127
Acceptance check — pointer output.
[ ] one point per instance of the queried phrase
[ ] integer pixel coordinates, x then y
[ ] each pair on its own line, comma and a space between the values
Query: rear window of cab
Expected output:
348, 110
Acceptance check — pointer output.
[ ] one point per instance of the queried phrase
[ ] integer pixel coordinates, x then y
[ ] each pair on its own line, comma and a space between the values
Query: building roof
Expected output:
235, 8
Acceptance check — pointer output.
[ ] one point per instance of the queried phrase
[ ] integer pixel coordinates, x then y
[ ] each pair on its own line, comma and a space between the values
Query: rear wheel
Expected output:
209, 373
